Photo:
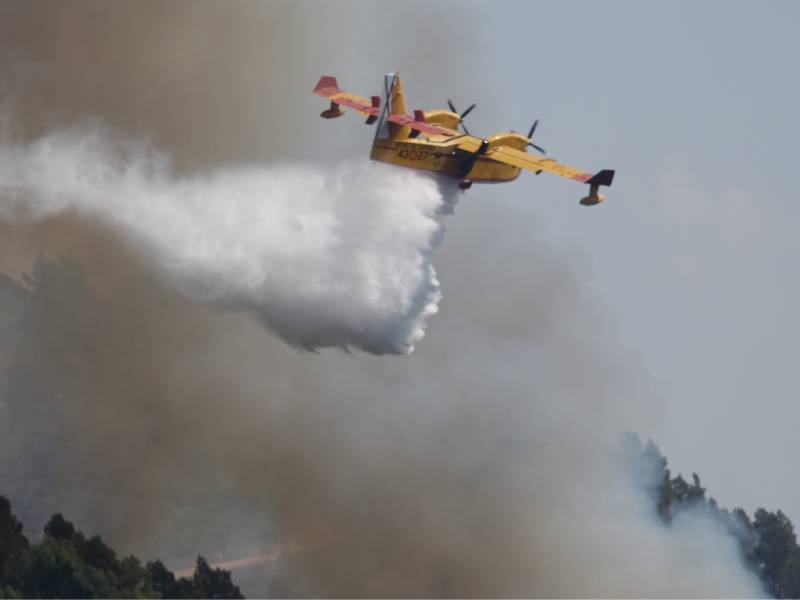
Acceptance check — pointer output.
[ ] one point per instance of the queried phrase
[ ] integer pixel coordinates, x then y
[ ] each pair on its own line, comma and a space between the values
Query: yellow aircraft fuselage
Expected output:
401, 147
455, 163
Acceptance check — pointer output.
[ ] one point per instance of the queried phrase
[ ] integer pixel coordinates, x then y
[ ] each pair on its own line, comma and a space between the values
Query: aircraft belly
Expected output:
425, 159
456, 165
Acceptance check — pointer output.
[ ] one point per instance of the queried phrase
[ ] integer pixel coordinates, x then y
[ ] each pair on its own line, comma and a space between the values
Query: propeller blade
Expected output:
539, 148
462, 115
533, 128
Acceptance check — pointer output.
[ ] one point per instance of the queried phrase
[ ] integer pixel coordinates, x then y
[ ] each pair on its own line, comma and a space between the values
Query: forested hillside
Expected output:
767, 541
65, 564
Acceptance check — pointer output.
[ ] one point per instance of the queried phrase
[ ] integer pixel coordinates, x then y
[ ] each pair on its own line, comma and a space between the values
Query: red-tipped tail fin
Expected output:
326, 86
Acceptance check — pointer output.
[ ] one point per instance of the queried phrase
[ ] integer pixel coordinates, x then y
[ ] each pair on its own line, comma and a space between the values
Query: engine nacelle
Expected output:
445, 118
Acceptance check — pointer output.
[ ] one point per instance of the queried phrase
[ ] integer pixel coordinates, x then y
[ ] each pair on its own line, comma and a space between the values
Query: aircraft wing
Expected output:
327, 87
417, 123
517, 158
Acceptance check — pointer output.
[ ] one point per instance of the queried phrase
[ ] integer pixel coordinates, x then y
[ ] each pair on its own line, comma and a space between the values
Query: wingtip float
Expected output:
431, 140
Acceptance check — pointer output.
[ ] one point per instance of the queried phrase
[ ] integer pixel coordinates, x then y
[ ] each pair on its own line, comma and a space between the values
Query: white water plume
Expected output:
324, 257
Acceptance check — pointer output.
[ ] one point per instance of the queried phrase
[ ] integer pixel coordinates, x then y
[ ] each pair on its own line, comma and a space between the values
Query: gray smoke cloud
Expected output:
483, 464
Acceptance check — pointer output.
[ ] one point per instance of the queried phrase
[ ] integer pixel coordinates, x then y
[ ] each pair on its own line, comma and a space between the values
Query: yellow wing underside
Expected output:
511, 156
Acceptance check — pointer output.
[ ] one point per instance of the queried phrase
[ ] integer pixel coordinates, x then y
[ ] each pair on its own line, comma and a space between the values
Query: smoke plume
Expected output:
483, 464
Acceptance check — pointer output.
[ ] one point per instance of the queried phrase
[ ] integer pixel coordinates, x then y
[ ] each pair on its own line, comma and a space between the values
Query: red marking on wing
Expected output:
583, 178
409, 121
357, 105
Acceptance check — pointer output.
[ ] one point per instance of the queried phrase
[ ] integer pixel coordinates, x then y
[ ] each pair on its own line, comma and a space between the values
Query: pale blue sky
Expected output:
694, 252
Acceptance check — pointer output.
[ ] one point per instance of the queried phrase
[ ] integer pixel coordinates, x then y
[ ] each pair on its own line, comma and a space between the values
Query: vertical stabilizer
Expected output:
396, 101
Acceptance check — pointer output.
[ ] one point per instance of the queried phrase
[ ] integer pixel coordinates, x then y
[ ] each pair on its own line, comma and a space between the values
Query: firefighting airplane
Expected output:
430, 140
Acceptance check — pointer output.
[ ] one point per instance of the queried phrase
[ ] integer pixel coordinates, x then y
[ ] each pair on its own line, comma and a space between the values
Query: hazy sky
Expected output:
694, 104
690, 257
694, 252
